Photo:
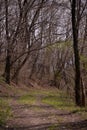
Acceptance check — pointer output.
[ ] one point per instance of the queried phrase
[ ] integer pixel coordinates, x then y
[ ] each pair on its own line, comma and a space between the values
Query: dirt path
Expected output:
40, 116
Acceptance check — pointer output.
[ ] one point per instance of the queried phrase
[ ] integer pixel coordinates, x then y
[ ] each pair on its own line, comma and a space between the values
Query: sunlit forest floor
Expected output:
39, 109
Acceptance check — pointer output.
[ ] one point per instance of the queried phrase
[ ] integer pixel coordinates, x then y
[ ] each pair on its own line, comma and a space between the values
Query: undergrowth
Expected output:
27, 99
5, 112
62, 101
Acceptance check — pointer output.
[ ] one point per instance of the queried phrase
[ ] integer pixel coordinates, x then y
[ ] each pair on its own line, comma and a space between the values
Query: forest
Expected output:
43, 64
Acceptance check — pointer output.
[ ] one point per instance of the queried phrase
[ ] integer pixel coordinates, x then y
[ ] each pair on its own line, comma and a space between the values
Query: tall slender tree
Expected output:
76, 53
7, 66
76, 17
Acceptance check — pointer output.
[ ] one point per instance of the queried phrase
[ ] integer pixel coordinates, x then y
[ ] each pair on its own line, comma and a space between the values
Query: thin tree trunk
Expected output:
8, 57
83, 93
7, 68
82, 82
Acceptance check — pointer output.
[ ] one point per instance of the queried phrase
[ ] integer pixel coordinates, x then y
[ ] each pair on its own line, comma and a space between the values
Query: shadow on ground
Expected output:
65, 126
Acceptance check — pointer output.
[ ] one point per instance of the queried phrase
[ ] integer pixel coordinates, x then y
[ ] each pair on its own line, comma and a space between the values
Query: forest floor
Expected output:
43, 109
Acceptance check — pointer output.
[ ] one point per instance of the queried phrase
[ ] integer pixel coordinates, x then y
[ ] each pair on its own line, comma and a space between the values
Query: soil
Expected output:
40, 116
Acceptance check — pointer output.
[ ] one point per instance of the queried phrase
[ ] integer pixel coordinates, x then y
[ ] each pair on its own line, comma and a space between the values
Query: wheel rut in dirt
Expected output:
41, 116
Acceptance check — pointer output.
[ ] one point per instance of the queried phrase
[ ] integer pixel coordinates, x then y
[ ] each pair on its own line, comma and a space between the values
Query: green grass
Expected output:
35, 92
58, 101
5, 112
55, 98
27, 99
2, 79
53, 127
61, 100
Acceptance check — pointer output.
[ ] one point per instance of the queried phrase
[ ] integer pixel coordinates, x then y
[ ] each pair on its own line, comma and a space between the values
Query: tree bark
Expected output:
8, 57
76, 55
7, 68
83, 93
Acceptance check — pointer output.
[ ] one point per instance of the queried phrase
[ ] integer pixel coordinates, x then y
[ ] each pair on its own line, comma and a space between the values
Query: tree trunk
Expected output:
8, 56
76, 55
7, 68
83, 93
